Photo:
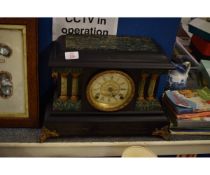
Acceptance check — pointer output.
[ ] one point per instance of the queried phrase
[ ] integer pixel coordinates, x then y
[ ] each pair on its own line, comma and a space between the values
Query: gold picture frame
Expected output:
18, 72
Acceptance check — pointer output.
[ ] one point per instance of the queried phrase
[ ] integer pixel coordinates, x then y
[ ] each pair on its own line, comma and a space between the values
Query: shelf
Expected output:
101, 149
24, 143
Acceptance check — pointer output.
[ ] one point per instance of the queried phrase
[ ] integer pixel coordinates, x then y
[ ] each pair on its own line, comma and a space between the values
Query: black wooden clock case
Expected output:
88, 121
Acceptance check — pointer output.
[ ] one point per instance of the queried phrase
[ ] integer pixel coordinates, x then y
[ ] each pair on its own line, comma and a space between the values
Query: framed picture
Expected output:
18, 72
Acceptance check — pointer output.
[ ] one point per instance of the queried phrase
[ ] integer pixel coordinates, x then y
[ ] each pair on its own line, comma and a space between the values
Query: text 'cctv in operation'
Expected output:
88, 30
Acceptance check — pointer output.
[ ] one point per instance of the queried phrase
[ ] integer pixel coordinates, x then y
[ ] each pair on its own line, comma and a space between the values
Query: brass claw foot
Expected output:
46, 133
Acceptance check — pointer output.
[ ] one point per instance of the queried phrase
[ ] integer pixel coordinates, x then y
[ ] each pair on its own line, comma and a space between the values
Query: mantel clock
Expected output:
105, 86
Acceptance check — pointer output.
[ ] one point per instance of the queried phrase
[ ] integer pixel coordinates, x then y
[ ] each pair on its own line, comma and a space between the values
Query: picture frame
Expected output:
19, 95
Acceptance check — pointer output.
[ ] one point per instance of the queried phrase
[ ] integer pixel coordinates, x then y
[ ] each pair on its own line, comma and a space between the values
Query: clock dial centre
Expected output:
110, 89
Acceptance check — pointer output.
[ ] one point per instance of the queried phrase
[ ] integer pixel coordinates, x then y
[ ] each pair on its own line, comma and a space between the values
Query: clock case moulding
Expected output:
131, 55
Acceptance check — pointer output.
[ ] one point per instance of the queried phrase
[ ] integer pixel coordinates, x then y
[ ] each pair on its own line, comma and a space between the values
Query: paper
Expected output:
71, 55
84, 26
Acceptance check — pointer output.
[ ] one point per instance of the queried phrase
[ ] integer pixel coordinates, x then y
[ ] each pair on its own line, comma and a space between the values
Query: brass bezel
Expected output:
103, 107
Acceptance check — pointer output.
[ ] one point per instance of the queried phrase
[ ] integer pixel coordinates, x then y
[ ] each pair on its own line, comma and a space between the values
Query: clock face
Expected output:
110, 90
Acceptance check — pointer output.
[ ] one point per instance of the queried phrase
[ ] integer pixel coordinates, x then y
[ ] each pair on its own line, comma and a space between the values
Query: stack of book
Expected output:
188, 111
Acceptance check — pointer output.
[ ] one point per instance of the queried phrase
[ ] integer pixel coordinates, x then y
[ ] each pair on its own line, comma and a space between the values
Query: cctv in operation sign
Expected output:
84, 26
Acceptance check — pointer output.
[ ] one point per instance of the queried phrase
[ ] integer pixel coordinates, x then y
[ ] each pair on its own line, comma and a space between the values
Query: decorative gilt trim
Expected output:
162, 132
46, 133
